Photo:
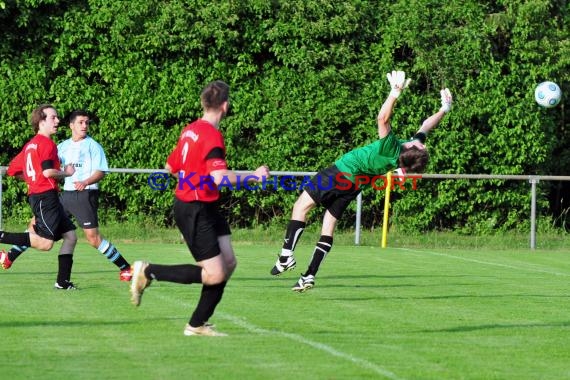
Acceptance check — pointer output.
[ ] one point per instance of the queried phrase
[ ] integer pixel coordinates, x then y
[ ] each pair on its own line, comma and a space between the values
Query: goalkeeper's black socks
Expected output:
322, 248
294, 231
209, 299
181, 274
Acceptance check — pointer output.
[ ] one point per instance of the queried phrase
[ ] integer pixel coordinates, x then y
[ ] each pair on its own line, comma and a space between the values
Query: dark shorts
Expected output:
51, 220
83, 206
200, 223
331, 193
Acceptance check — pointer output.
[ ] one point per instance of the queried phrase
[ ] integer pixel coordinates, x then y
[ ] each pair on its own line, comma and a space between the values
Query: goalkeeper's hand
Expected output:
398, 82
446, 100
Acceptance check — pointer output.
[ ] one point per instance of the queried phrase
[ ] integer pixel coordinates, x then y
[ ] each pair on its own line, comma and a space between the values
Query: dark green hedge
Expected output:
307, 78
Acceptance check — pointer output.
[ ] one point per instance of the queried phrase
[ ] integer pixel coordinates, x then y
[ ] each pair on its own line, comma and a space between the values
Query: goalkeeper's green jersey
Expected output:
374, 159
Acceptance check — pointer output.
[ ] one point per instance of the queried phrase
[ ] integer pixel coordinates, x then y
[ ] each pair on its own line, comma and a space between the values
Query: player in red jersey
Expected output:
38, 165
199, 161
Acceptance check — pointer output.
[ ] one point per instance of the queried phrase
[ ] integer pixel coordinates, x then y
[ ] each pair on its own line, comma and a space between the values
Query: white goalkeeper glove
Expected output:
398, 82
446, 100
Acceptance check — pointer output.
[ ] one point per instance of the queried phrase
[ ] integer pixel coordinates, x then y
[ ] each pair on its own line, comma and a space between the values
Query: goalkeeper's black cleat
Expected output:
304, 283
283, 264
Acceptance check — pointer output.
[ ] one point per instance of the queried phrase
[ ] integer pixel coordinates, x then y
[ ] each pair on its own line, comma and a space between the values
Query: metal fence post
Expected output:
358, 219
533, 182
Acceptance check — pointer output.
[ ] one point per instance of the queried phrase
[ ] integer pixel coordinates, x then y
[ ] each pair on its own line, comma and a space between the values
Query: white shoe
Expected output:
206, 329
139, 282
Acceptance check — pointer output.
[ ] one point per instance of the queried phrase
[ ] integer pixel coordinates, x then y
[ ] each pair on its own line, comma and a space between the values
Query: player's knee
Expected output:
94, 241
93, 237
70, 239
68, 245
302, 206
231, 265
299, 206
299, 213
43, 244
213, 278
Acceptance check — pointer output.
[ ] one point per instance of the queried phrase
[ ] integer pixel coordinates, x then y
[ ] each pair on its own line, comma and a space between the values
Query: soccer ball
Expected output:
547, 94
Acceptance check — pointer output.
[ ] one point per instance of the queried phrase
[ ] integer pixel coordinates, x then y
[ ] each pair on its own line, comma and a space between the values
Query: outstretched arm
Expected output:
384, 116
398, 82
67, 171
433, 120
259, 175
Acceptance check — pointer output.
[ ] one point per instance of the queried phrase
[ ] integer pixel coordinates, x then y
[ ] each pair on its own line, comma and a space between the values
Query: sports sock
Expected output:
181, 274
16, 251
209, 299
322, 248
64, 271
16, 238
294, 232
112, 254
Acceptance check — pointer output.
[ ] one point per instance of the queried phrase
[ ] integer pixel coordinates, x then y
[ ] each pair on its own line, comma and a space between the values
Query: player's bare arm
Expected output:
58, 174
231, 176
398, 83
94, 178
433, 120
169, 169
384, 115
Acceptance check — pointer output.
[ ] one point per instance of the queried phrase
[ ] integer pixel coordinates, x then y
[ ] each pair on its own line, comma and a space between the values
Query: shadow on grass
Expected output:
490, 296
74, 323
54, 271
268, 277
497, 326
16, 324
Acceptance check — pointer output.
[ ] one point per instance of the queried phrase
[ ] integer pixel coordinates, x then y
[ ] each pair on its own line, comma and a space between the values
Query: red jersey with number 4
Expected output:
193, 160
29, 163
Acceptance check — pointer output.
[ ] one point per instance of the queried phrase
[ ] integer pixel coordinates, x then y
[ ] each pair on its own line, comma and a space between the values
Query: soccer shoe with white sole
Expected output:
65, 285
139, 282
126, 275
304, 283
5, 260
283, 264
206, 329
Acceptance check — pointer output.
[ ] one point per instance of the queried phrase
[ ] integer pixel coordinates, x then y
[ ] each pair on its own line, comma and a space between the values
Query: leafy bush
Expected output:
307, 79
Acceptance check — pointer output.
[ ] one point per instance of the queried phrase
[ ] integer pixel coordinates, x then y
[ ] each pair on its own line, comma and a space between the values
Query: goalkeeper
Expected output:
385, 154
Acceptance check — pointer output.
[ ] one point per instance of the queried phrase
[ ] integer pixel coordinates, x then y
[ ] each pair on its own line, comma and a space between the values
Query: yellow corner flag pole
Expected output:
386, 209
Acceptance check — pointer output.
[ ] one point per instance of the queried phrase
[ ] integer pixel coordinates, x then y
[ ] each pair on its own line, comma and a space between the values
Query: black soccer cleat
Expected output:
283, 264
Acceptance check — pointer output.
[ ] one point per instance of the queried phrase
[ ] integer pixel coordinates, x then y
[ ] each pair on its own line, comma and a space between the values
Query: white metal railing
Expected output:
532, 179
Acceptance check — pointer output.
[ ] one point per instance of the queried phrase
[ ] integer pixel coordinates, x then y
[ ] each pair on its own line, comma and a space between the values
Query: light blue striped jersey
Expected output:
86, 155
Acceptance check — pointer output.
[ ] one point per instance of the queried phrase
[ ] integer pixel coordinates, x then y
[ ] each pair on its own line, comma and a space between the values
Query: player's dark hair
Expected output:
214, 95
38, 115
414, 160
75, 114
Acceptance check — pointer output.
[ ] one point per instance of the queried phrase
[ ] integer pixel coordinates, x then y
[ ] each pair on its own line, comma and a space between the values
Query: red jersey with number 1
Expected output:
29, 163
193, 160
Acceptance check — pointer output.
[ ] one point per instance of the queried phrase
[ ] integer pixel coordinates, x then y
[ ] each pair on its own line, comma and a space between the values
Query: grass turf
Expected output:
417, 313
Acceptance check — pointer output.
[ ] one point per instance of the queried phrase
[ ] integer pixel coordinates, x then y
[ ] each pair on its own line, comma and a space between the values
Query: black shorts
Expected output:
200, 223
331, 193
83, 206
51, 220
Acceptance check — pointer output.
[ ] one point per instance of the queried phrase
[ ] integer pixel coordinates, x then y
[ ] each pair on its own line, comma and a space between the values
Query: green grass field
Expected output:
416, 313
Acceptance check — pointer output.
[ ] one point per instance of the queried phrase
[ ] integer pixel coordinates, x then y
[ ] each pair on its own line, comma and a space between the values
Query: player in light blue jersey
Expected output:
80, 196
